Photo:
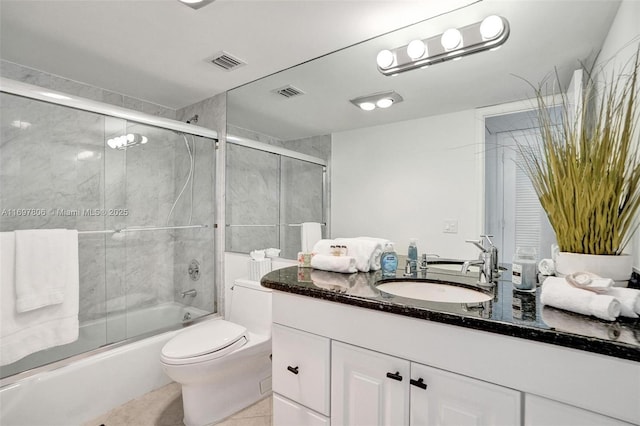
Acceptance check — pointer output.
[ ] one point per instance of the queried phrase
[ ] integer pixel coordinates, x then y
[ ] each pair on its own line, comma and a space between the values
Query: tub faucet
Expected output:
192, 293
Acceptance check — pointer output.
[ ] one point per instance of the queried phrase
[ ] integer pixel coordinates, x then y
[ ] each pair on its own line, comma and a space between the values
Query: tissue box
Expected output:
258, 268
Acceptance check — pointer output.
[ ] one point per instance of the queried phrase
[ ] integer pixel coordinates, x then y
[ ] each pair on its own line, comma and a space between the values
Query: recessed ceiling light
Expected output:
368, 106
377, 100
384, 103
196, 4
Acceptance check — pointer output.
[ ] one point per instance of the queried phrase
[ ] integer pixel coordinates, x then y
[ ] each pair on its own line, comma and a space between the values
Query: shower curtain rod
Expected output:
154, 228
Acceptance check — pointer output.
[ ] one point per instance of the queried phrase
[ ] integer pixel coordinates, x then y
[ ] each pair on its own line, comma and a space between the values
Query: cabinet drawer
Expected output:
288, 413
301, 367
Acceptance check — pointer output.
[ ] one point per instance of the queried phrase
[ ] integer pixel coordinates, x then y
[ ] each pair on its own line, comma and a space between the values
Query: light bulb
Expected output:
491, 27
112, 143
451, 39
416, 49
144, 140
385, 58
131, 137
384, 103
367, 106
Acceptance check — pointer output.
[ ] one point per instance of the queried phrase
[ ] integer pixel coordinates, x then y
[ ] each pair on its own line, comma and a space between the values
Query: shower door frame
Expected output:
54, 97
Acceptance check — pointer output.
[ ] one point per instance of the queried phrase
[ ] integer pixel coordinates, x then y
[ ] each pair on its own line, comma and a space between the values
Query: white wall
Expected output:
405, 179
619, 47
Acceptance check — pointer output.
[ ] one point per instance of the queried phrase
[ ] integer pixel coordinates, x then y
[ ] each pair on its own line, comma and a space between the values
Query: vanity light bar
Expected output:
454, 43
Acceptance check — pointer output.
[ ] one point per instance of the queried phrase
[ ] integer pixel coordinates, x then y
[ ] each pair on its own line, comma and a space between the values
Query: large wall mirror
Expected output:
417, 168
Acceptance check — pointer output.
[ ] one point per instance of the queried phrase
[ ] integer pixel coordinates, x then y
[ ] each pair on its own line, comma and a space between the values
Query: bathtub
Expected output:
77, 389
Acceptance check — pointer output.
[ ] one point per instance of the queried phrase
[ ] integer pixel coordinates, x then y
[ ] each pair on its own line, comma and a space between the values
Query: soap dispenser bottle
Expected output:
412, 255
389, 261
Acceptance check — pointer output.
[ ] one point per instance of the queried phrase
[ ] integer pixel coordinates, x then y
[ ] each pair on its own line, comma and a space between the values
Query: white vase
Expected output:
618, 268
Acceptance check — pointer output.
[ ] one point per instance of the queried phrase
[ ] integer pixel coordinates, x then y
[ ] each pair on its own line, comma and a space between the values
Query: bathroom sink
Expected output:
434, 292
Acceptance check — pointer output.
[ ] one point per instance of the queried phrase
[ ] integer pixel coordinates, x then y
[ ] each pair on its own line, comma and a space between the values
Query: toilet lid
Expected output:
200, 339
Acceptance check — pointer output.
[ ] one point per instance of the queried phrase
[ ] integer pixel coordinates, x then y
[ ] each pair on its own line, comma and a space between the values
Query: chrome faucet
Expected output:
487, 260
192, 293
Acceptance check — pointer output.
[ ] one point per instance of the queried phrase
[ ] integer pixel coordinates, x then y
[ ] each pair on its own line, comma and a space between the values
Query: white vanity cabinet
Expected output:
472, 377
546, 412
367, 387
300, 365
441, 398
371, 388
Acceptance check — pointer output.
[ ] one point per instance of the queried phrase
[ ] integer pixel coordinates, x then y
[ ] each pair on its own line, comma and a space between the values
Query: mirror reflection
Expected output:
417, 168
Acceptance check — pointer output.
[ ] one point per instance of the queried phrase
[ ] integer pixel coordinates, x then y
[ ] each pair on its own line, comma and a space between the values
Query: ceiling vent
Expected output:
288, 91
226, 61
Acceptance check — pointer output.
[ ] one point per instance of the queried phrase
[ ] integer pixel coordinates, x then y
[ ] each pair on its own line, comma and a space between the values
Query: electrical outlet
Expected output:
450, 227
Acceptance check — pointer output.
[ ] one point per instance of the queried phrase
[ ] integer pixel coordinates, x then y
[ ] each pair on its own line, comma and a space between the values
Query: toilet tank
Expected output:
251, 306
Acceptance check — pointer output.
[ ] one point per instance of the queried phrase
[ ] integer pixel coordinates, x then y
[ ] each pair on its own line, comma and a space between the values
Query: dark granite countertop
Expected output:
511, 313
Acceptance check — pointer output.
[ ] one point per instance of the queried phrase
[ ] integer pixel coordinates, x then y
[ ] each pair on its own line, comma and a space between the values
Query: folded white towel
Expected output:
43, 266
343, 264
310, 233
589, 281
24, 333
629, 299
365, 252
557, 292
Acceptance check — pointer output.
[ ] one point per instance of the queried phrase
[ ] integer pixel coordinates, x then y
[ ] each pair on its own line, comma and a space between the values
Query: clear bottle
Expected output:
523, 275
389, 261
412, 254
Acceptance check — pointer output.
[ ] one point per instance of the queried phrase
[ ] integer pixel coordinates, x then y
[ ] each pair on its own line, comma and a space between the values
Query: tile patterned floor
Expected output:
163, 407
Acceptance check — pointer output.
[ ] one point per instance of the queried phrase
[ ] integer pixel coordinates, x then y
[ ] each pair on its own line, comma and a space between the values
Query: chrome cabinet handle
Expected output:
294, 370
395, 376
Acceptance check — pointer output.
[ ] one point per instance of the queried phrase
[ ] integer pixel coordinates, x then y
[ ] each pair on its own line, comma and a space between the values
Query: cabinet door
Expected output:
368, 388
540, 411
454, 400
301, 367
288, 413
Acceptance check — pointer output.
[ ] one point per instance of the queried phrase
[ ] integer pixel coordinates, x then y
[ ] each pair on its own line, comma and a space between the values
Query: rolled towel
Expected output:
323, 247
629, 299
557, 292
547, 267
377, 255
342, 264
363, 250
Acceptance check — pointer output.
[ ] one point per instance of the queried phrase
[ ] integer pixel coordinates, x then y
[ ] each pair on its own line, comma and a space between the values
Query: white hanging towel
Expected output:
23, 333
44, 266
310, 234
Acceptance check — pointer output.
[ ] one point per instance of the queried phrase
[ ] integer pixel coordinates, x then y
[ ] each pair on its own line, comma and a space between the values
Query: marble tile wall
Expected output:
201, 244
289, 191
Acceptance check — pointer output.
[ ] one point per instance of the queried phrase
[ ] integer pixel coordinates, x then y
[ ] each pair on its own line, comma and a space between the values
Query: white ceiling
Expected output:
545, 36
156, 49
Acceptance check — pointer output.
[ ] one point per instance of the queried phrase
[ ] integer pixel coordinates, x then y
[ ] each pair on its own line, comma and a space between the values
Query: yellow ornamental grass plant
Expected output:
586, 171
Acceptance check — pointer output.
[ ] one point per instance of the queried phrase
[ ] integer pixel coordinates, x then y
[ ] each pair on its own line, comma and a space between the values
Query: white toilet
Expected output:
224, 365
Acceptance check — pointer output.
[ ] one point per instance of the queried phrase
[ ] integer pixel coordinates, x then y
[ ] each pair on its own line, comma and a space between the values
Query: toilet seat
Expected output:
203, 342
